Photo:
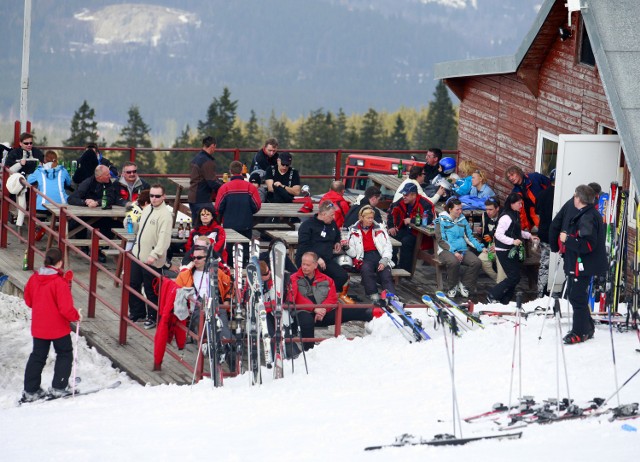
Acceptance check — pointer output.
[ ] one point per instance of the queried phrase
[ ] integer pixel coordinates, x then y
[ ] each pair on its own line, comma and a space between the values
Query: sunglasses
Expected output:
27, 143
198, 257
131, 172
156, 196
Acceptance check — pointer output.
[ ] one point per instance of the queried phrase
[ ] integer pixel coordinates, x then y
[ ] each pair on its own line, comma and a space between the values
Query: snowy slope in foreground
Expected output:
358, 393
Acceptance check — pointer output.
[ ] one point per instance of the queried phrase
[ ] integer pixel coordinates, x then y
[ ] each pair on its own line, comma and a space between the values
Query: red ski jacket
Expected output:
48, 295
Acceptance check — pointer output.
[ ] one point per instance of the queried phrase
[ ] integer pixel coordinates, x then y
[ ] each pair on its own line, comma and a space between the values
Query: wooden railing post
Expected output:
124, 299
338, 164
93, 272
4, 210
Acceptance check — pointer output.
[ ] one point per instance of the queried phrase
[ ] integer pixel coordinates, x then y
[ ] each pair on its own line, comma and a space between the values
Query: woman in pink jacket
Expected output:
48, 294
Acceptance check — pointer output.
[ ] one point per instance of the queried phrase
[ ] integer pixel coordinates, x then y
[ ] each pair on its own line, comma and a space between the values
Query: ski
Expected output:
213, 324
405, 330
415, 325
525, 403
277, 257
91, 391
254, 286
460, 312
441, 440
237, 310
443, 315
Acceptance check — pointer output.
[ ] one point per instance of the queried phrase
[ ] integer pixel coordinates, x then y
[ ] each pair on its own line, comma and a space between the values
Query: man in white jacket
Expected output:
150, 247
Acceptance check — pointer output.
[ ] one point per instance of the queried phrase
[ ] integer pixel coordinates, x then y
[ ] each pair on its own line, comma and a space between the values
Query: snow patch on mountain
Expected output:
138, 24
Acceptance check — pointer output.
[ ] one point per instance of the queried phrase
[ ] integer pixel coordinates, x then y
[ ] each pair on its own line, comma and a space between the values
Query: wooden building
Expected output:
575, 73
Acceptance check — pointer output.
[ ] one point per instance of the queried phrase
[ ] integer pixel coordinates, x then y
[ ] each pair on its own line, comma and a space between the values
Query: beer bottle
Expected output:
181, 230
105, 202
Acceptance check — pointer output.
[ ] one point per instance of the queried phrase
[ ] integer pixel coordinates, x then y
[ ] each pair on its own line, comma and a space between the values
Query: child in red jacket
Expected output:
48, 294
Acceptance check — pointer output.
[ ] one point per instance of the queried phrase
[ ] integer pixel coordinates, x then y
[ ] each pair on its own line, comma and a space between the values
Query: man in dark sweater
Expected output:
25, 158
203, 184
432, 166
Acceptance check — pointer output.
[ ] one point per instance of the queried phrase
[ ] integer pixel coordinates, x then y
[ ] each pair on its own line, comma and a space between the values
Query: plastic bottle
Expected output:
245, 170
400, 169
225, 177
129, 225
74, 166
425, 219
104, 198
181, 230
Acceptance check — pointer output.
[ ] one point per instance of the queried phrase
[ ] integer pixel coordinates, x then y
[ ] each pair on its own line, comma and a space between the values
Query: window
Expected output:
586, 52
547, 152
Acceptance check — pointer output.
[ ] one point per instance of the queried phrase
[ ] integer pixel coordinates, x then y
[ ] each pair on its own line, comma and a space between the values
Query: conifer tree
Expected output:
371, 132
178, 161
84, 129
441, 125
398, 138
253, 137
136, 135
279, 129
221, 121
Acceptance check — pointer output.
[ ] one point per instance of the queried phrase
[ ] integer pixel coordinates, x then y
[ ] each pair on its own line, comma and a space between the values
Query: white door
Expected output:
583, 159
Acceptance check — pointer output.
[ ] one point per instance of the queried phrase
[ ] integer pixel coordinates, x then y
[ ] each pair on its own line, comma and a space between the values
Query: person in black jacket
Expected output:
581, 240
432, 166
24, 159
90, 194
319, 234
544, 210
265, 158
371, 197
88, 162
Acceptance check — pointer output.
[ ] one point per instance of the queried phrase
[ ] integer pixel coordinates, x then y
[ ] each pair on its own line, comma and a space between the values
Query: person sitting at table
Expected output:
88, 162
453, 233
371, 197
336, 195
130, 184
402, 214
371, 251
283, 181
416, 176
206, 225
309, 286
489, 222
237, 201
320, 234
52, 179
462, 186
91, 192
479, 186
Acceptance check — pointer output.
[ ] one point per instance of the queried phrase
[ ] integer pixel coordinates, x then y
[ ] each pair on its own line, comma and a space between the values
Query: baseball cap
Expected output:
409, 188
285, 158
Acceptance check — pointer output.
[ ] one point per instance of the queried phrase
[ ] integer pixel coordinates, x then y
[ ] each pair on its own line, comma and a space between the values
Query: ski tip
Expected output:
426, 299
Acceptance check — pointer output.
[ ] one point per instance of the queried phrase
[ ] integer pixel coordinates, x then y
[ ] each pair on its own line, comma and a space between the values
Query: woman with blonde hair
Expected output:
479, 186
463, 185
371, 251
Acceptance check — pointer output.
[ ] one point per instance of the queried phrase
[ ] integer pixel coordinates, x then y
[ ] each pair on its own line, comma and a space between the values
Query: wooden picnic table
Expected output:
88, 214
290, 238
181, 183
388, 184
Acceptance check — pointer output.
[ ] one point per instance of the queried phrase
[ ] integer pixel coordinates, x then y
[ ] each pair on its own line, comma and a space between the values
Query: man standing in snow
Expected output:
48, 295
583, 239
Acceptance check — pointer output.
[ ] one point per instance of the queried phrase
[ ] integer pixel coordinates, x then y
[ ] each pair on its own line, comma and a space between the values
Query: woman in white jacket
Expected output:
370, 249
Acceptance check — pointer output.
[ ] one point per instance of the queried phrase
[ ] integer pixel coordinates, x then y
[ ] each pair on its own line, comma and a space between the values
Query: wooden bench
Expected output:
398, 273
281, 226
432, 260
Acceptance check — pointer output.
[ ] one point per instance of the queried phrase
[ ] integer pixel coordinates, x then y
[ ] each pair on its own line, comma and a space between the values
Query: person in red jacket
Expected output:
309, 286
205, 224
48, 295
336, 195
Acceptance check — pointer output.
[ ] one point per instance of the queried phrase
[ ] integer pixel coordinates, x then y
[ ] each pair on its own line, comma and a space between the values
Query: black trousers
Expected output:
578, 290
371, 275
38, 358
503, 292
337, 273
137, 308
408, 241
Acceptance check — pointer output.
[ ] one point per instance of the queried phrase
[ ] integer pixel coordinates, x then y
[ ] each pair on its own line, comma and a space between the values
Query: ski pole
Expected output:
75, 359
564, 359
546, 311
615, 393
454, 396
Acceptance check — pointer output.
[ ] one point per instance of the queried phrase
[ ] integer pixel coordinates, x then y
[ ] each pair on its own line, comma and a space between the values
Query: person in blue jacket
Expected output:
454, 236
52, 179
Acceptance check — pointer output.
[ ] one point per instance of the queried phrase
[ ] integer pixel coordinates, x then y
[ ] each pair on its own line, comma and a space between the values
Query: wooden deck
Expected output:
136, 356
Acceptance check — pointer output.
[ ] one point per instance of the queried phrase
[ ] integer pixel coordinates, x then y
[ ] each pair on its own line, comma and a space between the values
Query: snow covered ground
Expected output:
358, 393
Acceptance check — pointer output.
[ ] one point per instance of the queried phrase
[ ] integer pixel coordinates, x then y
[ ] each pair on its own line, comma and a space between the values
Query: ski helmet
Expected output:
552, 175
345, 261
448, 165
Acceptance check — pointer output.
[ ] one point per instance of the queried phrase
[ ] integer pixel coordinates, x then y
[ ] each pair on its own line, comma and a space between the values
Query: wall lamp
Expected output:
564, 33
